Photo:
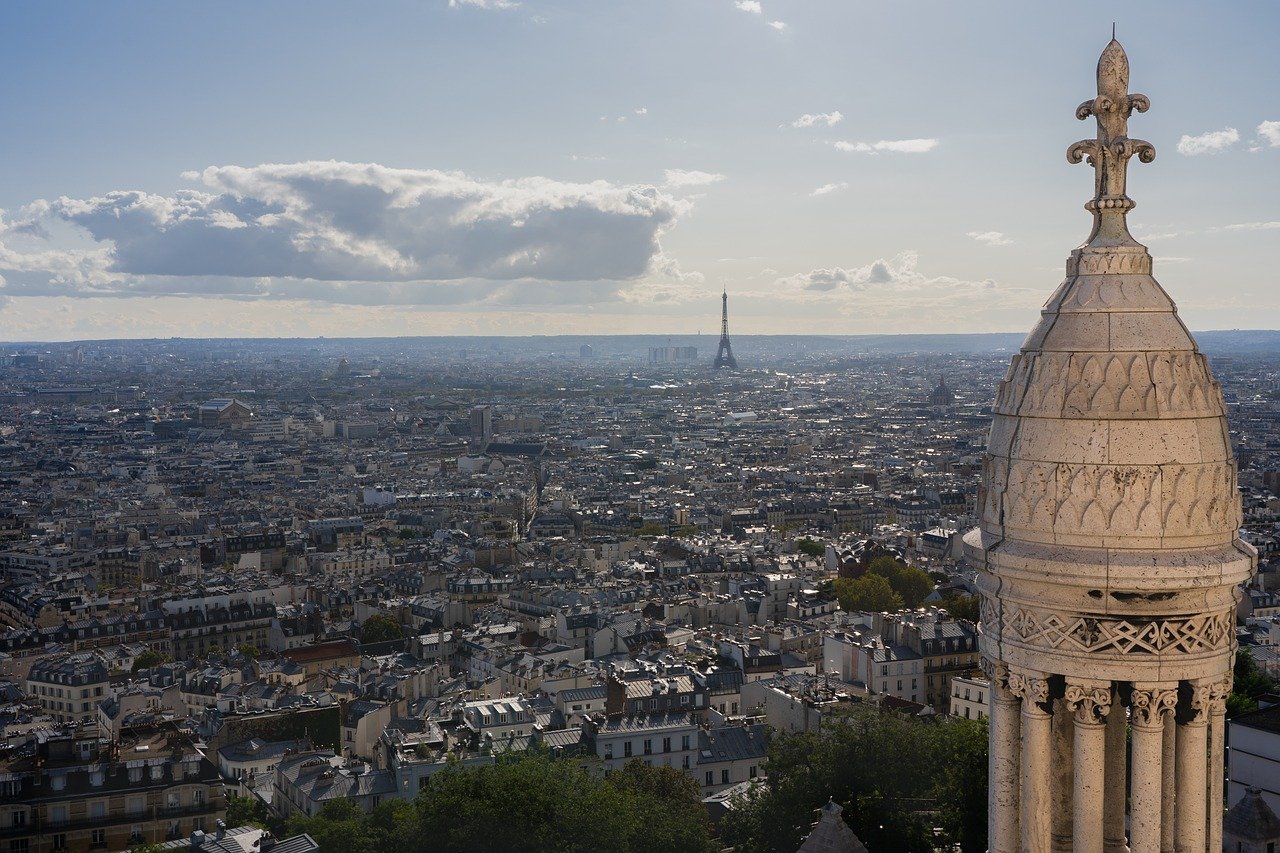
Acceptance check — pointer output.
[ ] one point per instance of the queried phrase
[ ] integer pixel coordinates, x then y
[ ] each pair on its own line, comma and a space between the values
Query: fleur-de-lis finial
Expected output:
1109, 154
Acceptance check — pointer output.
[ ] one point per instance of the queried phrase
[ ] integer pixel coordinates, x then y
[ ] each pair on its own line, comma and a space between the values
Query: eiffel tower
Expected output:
724, 355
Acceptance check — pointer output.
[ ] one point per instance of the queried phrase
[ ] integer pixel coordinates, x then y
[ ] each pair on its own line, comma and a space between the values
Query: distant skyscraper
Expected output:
481, 426
1108, 549
724, 355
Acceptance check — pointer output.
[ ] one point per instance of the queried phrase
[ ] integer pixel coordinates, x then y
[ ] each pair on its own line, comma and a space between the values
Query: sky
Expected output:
493, 167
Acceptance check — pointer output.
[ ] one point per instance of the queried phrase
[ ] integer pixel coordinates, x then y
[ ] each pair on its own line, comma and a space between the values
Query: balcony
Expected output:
40, 826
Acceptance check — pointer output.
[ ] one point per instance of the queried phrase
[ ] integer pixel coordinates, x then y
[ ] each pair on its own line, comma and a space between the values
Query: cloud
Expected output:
778, 25
899, 146
752, 6
675, 178
813, 119
827, 189
900, 268
640, 111
990, 238
484, 4
1249, 226
1270, 131
325, 230
1208, 143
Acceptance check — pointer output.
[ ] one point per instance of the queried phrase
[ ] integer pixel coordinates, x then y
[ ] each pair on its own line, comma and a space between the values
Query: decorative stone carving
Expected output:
1099, 634
1218, 693
1090, 703
1029, 687
1196, 707
1149, 705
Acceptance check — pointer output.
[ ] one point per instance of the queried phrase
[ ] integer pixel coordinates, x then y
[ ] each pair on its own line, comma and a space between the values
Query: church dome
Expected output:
1108, 429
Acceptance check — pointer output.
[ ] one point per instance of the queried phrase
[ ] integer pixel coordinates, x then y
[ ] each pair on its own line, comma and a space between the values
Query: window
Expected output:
137, 805
710, 778
197, 797
684, 742
18, 845
724, 776
608, 750
666, 744
20, 818
59, 841
98, 808
751, 772
626, 749
98, 838
135, 774
135, 833
686, 762
648, 746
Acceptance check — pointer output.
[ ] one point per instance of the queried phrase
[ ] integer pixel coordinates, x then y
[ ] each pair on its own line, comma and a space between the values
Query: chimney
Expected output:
615, 700
222, 829
197, 839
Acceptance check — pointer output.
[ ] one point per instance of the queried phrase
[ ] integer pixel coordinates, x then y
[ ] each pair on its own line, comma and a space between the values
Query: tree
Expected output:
869, 592
379, 628
897, 777
1249, 681
962, 607
914, 585
811, 547
246, 811
651, 528
339, 827
150, 658
249, 650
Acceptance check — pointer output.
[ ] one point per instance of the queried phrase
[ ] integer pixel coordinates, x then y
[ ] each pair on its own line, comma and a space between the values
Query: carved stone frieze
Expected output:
1109, 385
1099, 634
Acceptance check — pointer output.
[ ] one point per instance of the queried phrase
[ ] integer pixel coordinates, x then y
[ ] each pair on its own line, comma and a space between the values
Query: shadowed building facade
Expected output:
1108, 551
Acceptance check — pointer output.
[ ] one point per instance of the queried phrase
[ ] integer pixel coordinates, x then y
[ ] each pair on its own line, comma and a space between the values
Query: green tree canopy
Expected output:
379, 628
150, 658
895, 776
869, 592
912, 584
962, 607
811, 547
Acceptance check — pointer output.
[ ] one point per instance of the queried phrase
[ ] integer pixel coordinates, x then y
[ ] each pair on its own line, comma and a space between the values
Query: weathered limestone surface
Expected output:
1110, 562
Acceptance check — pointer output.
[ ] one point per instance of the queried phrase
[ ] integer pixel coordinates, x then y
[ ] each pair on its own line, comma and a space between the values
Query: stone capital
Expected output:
1089, 702
1150, 703
1030, 687
1218, 693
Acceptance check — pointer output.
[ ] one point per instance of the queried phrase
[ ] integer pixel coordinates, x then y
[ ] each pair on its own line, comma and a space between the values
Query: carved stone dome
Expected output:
1107, 544
1108, 429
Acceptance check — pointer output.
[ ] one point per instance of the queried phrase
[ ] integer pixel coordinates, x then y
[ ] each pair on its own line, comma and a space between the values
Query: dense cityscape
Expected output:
274, 574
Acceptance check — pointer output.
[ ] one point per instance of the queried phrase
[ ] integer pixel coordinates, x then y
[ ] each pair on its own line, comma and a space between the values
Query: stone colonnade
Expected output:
1059, 763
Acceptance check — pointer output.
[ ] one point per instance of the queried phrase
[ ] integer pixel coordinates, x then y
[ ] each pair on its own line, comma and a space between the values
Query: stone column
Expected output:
1168, 786
1004, 763
1037, 753
1089, 705
1063, 776
1149, 705
1218, 694
1193, 769
1117, 766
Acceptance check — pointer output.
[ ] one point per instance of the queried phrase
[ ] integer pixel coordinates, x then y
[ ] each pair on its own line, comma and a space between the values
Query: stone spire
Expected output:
1108, 555
1109, 154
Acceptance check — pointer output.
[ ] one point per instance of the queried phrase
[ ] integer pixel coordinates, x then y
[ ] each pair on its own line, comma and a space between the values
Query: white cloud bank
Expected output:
1208, 143
990, 238
678, 178
827, 189
751, 6
814, 119
1270, 131
898, 146
323, 230
484, 4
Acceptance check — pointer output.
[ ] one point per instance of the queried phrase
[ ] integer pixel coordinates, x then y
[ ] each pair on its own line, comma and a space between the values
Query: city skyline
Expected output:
487, 167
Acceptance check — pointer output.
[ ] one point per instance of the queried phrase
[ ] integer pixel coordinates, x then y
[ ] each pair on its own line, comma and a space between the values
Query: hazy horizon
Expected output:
503, 168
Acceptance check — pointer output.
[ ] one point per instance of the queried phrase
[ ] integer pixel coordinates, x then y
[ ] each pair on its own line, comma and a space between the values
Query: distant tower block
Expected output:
1108, 551
724, 355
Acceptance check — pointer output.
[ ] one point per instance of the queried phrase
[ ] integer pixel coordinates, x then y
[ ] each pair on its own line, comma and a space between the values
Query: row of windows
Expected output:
56, 692
647, 746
